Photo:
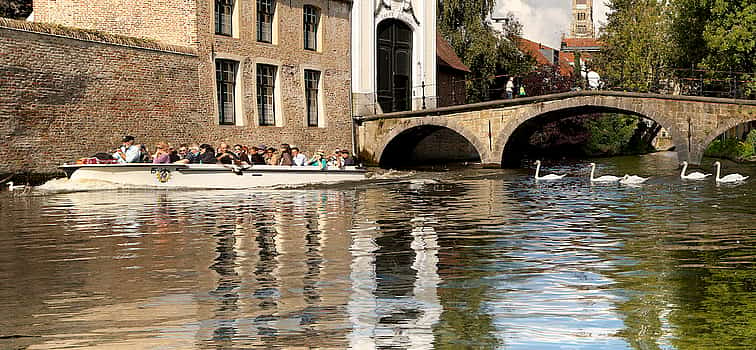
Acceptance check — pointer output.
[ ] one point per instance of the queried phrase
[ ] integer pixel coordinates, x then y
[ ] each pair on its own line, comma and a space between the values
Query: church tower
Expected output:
582, 19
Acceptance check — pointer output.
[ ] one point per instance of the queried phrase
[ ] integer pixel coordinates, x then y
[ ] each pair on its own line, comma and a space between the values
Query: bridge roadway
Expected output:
692, 122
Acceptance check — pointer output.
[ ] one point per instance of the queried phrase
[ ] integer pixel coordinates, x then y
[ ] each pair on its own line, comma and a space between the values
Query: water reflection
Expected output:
464, 259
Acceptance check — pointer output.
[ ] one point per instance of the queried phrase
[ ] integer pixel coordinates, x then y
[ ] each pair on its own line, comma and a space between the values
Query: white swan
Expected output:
728, 178
692, 176
605, 178
546, 177
12, 187
632, 180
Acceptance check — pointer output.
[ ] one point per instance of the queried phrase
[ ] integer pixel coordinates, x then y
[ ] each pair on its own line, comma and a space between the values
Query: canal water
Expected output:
474, 258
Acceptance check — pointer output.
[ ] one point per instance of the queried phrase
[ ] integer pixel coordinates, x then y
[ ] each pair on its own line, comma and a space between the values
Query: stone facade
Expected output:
287, 54
692, 122
420, 17
582, 19
65, 98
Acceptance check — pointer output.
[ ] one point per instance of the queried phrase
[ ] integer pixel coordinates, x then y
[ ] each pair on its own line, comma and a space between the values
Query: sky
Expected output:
544, 21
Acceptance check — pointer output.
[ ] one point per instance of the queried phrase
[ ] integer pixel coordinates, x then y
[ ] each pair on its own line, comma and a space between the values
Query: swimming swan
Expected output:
12, 187
728, 178
692, 176
546, 177
605, 178
632, 180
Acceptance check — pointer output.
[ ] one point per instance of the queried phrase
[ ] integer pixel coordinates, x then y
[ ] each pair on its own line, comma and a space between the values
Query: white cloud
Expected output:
544, 21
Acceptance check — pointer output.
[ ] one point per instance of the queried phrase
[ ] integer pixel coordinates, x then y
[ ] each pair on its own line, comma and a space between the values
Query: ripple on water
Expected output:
476, 258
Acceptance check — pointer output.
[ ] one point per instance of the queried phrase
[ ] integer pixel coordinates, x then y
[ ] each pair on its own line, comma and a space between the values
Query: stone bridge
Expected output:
490, 127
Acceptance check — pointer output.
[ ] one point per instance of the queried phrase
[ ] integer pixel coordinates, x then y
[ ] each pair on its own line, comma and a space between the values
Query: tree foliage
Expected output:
465, 24
16, 9
636, 38
644, 37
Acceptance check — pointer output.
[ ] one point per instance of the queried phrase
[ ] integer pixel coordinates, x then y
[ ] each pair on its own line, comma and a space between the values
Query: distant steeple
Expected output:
582, 19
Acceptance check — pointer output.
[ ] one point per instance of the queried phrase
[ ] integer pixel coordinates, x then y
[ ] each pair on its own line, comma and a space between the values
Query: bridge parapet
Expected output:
692, 121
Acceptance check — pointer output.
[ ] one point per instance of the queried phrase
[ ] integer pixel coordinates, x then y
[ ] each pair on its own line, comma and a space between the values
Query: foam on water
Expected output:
64, 185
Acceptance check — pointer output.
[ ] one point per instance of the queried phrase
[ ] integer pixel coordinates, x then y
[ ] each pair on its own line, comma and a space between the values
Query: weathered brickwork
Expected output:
61, 98
169, 21
287, 53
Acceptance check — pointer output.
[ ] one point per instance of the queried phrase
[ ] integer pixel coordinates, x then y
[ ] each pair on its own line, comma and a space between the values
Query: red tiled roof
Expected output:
565, 58
445, 55
533, 49
581, 42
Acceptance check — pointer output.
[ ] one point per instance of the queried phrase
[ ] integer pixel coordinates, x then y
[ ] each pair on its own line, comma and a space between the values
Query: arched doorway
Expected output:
394, 66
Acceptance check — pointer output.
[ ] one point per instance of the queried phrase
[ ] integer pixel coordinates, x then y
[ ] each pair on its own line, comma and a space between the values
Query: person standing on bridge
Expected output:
510, 88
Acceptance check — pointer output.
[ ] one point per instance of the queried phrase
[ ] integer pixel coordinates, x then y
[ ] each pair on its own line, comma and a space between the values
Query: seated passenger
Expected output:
335, 159
128, 152
144, 156
206, 155
256, 156
346, 159
285, 157
241, 154
224, 154
271, 158
318, 160
173, 154
187, 154
162, 154
299, 159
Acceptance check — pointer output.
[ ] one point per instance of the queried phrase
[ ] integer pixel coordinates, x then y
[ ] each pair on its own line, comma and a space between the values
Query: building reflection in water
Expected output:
385, 309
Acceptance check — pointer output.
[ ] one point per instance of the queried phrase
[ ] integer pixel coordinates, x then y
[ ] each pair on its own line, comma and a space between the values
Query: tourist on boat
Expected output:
346, 159
206, 155
241, 154
319, 160
173, 154
187, 153
224, 154
144, 154
285, 158
335, 159
256, 156
271, 158
128, 152
298, 158
162, 154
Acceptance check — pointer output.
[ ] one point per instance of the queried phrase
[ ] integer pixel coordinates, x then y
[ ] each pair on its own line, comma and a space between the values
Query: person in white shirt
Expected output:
298, 158
128, 152
510, 88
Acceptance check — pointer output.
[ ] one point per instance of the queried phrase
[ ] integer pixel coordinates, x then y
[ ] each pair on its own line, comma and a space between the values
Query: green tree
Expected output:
464, 23
16, 9
636, 39
730, 35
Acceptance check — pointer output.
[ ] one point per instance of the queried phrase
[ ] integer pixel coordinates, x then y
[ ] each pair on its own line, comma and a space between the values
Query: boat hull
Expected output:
214, 176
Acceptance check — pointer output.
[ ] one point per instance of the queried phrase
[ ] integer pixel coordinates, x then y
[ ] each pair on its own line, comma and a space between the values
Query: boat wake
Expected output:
390, 174
64, 185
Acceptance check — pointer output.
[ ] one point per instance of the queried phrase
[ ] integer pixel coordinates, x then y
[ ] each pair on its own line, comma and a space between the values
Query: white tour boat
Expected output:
211, 176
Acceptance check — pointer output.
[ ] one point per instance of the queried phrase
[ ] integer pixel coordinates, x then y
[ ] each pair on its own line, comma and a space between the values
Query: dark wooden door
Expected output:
394, 73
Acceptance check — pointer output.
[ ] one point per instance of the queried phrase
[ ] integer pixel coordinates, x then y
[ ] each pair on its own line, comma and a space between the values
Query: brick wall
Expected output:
85, 95
63, 98
289, 56
169, 21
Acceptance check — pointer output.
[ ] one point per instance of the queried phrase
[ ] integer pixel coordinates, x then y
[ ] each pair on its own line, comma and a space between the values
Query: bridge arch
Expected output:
721, 129
578, 106
415, 130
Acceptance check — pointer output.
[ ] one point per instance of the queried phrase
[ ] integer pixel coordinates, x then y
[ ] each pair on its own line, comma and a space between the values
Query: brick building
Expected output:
261, 71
